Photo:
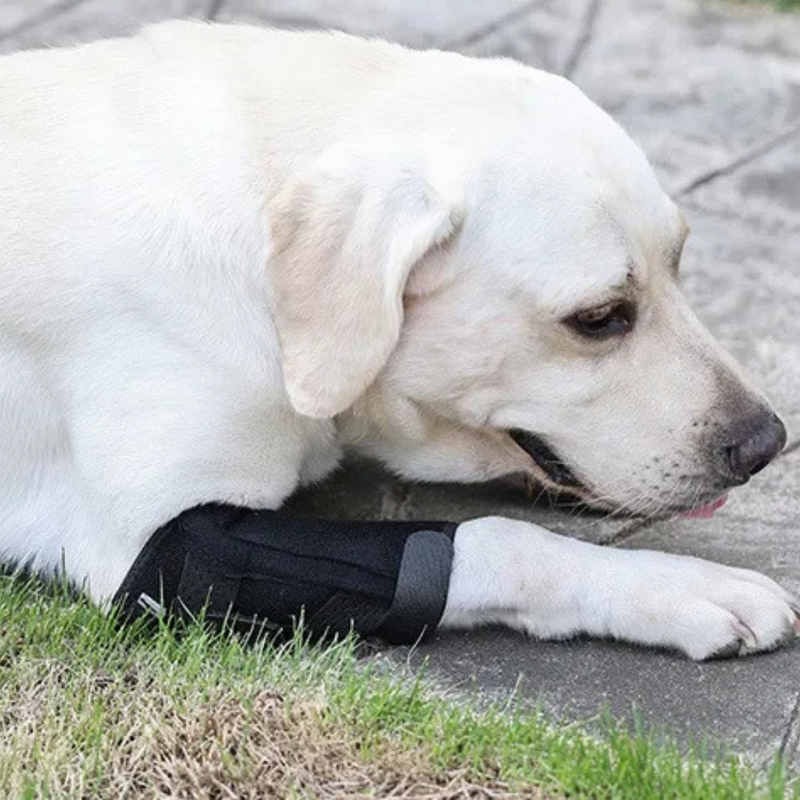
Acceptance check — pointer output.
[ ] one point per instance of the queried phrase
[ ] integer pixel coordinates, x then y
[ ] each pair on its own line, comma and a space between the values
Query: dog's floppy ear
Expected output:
347, 234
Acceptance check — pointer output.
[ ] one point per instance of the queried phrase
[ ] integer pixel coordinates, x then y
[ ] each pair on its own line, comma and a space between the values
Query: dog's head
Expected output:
500, 294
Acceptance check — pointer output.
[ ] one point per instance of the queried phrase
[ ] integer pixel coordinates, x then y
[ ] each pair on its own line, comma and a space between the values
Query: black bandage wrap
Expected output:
264, 569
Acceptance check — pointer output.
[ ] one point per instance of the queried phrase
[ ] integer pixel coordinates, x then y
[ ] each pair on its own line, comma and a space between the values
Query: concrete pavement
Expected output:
712, 92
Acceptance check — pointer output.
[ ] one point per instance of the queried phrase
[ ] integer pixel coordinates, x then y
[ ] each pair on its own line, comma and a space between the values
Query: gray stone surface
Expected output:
712, 92
14, 16
412, 22
763, 192
696, 83
546, 36
745, 704
84, 20
743, 277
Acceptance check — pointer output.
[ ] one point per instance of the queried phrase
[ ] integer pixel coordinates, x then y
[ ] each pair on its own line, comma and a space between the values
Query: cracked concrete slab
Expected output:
743, 281
739, 161
419, 23
15, 16
790, 744
543, 37
95, 19
765, 191
677, 73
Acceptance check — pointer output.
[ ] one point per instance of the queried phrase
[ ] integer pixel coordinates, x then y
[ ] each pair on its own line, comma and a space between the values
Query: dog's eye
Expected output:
605, 321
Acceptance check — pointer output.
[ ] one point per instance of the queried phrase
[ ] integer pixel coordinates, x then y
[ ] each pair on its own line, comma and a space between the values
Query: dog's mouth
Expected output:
557, 475
556, 471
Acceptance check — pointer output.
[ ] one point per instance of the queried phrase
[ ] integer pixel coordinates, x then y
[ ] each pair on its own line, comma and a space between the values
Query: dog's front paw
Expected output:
554, 587
706, 610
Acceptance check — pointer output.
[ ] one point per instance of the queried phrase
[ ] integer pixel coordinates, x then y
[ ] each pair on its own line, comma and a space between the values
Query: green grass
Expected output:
91, 710
782, 5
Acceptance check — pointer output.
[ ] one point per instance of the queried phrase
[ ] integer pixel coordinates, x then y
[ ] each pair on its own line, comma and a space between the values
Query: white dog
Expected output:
227, 254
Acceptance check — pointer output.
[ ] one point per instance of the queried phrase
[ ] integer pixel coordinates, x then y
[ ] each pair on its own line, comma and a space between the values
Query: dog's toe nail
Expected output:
747, 639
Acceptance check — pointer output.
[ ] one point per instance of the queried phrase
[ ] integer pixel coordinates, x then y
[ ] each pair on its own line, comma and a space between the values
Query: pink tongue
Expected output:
706, 512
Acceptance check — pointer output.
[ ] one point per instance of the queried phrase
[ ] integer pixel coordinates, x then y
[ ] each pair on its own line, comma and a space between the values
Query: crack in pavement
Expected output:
741, 160
49, 13
791, 727
214, 7
693, 204
584, 39
627, 532
487, 29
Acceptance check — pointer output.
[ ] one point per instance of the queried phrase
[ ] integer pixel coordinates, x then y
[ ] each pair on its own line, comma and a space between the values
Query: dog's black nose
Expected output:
758, 443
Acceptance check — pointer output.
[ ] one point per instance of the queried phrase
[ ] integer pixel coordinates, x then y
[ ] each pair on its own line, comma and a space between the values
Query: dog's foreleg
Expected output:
551, 586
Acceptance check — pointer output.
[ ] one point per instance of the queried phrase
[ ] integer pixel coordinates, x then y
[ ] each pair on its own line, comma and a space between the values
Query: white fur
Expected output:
228, 253
553, 587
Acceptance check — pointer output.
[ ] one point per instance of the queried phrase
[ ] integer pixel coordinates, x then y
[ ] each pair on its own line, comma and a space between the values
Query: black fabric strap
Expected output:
263, 568
422, 585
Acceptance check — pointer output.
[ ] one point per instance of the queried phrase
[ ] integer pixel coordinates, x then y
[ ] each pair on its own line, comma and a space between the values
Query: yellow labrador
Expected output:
227, 254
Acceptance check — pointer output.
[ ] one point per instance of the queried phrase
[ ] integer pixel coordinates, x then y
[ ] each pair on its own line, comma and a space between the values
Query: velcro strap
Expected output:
422, 585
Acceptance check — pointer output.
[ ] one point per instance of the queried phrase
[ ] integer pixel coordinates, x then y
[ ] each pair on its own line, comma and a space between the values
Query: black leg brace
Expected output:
261, 568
